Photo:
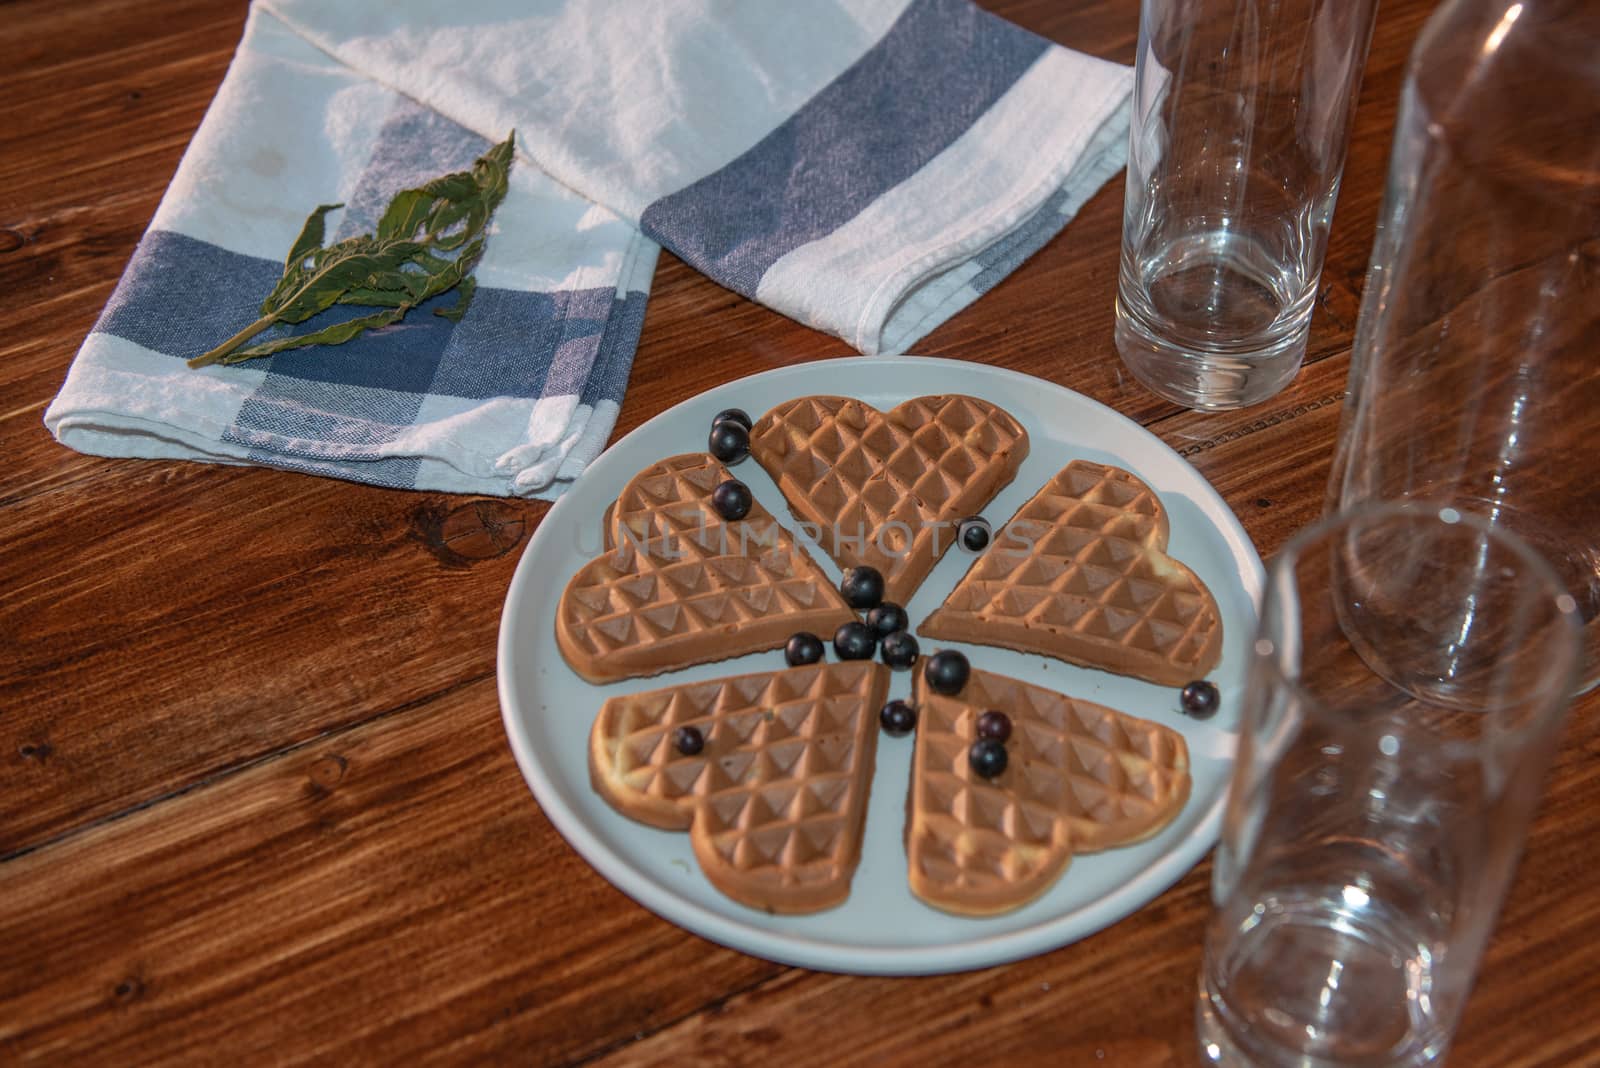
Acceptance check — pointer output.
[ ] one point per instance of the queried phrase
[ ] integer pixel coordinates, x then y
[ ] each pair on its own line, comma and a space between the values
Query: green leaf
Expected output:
493, 172
417, 285
458, 186
321, 290
405, 213
293, 278
429, 262
457, 272
446, 214
309, 241
405, 263
496, 161
340, 270
378, 298
310, 238
454, 312
337, 334
395, 280
451, 242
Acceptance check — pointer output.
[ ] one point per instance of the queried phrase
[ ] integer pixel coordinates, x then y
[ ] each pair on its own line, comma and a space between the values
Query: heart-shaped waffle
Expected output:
680, 585
886, 489
1081, 573
776, 799
1079, 778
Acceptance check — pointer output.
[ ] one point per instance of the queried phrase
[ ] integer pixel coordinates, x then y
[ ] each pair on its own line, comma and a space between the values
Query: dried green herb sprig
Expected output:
395, 269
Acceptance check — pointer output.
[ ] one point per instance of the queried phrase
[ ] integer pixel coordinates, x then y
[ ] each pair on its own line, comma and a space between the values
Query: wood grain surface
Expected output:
255, 802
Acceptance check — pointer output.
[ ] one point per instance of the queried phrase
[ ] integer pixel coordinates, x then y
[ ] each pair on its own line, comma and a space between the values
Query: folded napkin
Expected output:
865, 167
519, 395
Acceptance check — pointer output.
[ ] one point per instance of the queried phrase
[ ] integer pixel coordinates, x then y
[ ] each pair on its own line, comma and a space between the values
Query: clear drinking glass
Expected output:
1241, 117
1475, 378
1409, 680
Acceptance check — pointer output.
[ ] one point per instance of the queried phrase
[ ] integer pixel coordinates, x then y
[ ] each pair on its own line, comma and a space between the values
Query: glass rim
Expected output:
1547, 708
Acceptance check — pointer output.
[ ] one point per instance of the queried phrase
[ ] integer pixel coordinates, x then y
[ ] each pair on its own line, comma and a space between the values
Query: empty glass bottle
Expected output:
1475, 378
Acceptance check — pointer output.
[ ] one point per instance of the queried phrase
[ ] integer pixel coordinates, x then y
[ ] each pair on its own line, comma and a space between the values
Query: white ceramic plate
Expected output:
882, 928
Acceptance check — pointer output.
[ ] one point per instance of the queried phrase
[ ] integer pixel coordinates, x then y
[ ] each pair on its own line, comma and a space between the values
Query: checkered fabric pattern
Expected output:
865, 167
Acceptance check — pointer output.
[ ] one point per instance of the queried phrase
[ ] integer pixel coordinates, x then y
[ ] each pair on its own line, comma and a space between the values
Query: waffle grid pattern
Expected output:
681, 586
776, 799
877, 485
1081, 572
1080, 778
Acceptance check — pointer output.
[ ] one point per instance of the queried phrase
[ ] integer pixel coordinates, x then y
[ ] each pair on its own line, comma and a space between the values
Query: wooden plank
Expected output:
73, 257
378, 893
1270, 462
177, 620
390, 888
170, 845
75, 200
1534, 1000
42, 36
79, 78
1123, 997
351, 589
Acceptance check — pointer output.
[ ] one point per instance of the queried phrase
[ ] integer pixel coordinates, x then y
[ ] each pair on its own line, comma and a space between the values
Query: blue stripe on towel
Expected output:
403, 357
510, 343
939, 68
1007, 254
181, 296
617, 345
347, 421
413, 146
363, 391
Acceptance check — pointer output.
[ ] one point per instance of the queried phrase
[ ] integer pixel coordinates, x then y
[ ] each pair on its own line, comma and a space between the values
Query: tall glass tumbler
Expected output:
1241, 115
1475, 378
1410, 676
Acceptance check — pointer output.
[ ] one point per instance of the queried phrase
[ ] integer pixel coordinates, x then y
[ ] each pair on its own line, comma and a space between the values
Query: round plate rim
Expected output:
825, 955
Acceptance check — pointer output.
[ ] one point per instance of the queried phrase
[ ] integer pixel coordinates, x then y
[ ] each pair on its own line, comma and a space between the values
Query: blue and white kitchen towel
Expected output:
868, 167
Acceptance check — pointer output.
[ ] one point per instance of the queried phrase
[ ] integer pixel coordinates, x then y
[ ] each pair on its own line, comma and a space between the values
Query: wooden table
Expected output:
255, 801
